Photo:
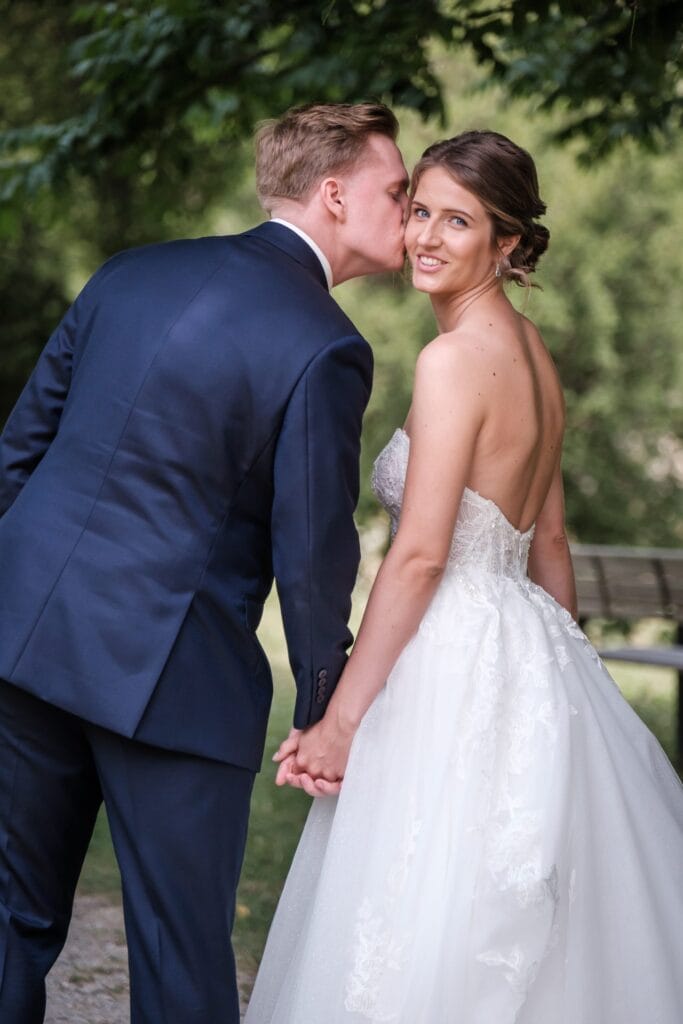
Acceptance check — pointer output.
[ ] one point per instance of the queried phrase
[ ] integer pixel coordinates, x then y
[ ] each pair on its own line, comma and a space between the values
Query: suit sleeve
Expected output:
33, 422
315, 542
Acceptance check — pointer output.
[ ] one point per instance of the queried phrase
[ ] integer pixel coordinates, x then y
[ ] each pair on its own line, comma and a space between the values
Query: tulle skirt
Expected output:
507, 846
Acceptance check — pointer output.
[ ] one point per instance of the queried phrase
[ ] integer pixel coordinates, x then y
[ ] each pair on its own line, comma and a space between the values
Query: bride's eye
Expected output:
459, 222
420, 213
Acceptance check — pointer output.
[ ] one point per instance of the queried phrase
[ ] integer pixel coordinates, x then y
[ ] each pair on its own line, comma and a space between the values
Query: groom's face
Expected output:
376, 192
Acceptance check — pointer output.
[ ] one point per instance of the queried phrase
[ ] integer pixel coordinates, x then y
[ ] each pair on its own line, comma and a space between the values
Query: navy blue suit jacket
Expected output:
191, 429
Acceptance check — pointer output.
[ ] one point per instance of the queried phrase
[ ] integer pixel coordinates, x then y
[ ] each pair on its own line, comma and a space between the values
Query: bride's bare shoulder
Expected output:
447, 362
463, 352
457, 375
462, 344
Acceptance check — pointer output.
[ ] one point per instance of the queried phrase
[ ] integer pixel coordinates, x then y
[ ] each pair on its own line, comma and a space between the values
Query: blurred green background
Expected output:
123, 123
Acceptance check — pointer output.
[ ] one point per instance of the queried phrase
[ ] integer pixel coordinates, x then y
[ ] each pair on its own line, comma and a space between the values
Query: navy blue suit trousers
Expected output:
179, 825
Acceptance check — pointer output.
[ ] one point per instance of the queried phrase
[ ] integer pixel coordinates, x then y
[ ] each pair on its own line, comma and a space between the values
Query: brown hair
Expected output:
307, 143
503, 177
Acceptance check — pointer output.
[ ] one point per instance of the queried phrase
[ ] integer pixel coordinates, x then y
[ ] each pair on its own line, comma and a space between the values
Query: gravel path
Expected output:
89, 982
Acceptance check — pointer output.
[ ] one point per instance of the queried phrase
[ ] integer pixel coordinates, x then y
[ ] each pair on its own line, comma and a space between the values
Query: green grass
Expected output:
100, 872
278, 814
652, 693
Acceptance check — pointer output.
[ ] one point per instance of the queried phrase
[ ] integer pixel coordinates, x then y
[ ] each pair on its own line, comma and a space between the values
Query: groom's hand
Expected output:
284, 756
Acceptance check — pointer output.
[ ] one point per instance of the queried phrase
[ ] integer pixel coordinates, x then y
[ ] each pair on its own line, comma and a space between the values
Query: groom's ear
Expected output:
333, 196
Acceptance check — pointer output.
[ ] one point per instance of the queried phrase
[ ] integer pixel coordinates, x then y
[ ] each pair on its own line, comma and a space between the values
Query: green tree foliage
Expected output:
611, 68
163, 85
160, 84
51, 237
33, 292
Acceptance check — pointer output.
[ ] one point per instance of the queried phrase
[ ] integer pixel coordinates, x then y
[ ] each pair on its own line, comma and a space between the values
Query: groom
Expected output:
191, 428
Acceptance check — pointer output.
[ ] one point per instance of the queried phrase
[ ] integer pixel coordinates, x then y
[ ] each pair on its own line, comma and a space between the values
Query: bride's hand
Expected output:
285, 757
320, 759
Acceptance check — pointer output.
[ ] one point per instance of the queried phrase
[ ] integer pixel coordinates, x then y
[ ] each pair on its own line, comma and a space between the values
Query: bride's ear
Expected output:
506, 246
333, 196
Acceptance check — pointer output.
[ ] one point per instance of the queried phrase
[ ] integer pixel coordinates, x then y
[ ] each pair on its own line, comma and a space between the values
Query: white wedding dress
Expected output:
508, 842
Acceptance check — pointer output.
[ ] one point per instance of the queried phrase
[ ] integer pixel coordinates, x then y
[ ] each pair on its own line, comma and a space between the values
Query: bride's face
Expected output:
449, 239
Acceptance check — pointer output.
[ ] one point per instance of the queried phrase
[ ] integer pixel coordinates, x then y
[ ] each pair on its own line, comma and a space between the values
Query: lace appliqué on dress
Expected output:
378, 948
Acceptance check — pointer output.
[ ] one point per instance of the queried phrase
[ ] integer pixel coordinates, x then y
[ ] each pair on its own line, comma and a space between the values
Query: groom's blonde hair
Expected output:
299, 149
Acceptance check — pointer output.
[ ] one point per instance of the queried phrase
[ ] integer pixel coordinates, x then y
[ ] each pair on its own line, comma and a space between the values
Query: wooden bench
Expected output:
634, 583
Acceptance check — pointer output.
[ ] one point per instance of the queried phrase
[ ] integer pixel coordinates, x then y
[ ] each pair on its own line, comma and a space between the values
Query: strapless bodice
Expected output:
484, 540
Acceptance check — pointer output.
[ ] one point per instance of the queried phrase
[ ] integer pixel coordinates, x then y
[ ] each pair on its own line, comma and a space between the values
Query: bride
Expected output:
507, 845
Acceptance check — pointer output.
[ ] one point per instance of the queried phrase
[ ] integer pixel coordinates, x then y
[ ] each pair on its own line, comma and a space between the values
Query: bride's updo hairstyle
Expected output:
503, 177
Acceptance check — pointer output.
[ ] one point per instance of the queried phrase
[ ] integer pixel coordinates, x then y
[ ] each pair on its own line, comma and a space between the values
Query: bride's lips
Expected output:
428, 264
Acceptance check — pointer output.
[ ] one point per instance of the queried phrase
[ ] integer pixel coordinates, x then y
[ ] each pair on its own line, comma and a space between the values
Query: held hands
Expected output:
314, 759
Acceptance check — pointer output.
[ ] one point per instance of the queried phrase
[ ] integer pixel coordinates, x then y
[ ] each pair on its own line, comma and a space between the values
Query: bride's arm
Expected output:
446, 416
550, 561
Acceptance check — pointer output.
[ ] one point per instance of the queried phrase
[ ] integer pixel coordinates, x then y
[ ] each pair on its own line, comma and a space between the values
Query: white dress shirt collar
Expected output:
324, 262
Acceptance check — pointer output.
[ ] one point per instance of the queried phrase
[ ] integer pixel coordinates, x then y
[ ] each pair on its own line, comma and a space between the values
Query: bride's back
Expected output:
519, 444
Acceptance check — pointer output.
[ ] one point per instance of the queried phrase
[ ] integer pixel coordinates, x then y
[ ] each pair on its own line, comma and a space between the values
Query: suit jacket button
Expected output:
320, 698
